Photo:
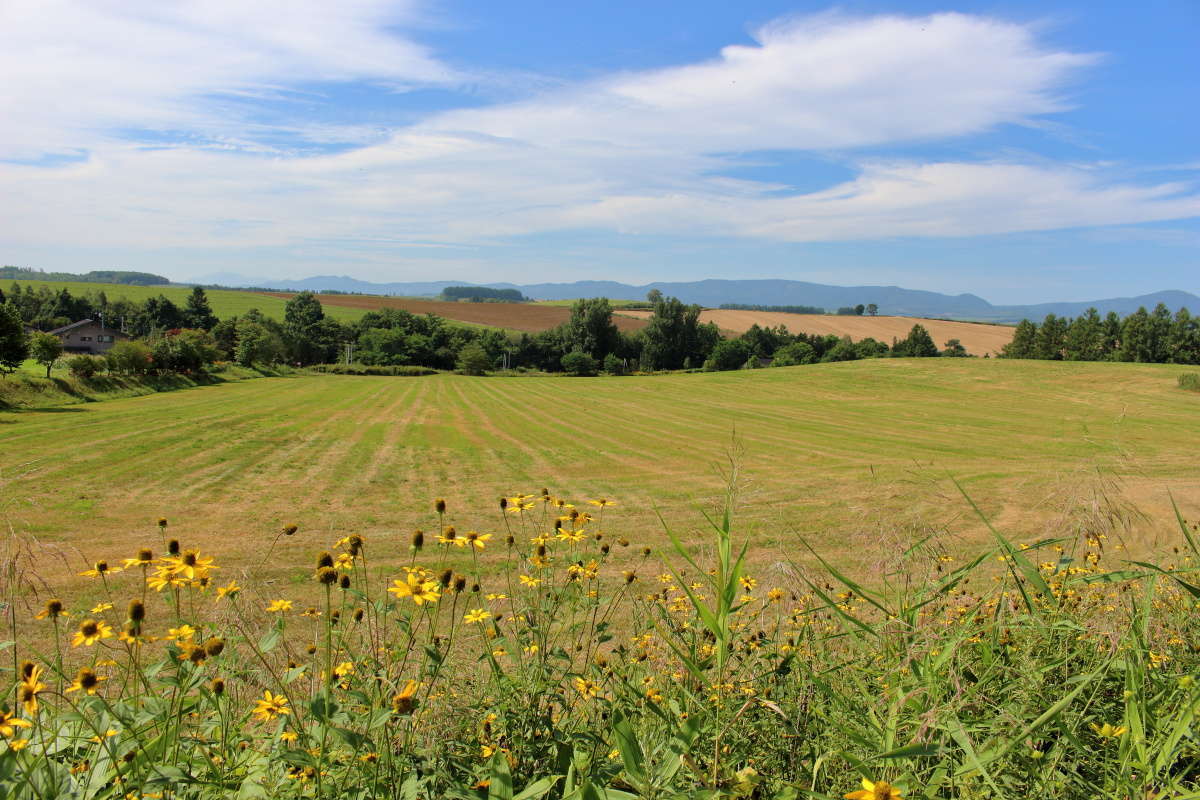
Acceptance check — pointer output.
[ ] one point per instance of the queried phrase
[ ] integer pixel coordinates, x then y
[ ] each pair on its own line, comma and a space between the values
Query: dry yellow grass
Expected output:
976, 337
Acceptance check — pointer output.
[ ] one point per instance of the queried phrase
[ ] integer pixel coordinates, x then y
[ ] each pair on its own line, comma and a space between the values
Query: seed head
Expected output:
460, 583
325, 559
145, 555
214, 646
503, 503
440, 506
173, 547
137, 611
289, 530
358, 615
418, 539
162, 522
327, 576
218, 687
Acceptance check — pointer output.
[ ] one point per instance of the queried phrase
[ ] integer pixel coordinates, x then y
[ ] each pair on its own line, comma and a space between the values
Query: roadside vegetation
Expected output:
554, 654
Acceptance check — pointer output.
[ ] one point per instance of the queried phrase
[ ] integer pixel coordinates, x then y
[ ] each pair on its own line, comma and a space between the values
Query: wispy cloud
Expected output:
636, 152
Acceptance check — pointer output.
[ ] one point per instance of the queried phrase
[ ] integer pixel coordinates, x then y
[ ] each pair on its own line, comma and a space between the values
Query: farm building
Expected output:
88, 336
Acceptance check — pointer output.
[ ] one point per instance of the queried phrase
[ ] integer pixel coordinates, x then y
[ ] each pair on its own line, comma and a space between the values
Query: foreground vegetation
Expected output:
582, 664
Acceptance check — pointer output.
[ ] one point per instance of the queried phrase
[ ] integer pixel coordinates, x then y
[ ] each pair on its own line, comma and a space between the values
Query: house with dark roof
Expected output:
88, 336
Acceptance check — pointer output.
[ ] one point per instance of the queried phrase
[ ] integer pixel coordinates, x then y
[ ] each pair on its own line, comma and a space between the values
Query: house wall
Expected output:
90, 339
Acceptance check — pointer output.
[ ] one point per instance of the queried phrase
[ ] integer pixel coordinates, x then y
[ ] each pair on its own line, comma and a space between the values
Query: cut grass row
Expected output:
847, 454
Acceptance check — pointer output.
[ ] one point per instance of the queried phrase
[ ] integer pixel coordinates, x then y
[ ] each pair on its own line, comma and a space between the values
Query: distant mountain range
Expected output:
890, 299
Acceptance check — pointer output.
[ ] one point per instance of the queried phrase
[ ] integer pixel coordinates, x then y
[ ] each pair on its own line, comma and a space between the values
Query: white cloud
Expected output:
76, 69
637, 152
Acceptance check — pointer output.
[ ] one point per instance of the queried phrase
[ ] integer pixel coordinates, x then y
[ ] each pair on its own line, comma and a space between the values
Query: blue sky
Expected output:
1022, 151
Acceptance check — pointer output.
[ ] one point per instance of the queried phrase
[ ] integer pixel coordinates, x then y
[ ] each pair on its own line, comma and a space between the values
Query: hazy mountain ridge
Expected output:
713, 292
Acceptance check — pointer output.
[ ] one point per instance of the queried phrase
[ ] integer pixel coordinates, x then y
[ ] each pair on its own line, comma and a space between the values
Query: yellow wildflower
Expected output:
271, 706
90, 631
877, 790
279, 606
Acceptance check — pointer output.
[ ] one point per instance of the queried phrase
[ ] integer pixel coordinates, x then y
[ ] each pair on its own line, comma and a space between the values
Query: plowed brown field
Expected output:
514, 316
976, 337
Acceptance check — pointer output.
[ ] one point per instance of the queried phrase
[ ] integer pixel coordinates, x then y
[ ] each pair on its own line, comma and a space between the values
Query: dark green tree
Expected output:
1052, 338
728, 354
918, 344
1136, 338
954, 349
1085, 338
1184, 346
473, 360
872, 309
591, 328
14, 344
197, 313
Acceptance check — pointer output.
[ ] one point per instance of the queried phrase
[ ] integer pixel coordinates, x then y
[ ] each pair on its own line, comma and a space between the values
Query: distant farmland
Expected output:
976, 337
525, 317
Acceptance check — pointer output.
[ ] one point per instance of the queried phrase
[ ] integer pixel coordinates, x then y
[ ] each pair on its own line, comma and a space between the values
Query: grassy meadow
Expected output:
843, 453
224, 302
277, 629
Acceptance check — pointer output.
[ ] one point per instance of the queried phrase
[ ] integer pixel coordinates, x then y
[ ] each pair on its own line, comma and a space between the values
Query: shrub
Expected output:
1190, 380
794, 354
613, 365
473, 360
83, 366
578, 362
130, 357
728, 354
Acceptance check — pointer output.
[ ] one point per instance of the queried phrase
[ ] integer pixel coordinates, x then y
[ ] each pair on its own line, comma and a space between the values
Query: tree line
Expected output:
1157, 337
173, 338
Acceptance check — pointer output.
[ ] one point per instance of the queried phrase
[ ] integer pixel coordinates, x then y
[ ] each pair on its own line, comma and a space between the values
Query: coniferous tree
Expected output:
1085, 338
197, 313
1051, 339
1024, 341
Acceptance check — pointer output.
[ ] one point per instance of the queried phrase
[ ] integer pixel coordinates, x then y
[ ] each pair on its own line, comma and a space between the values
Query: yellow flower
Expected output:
279, 606
108, 734
184, 633
476, 615
86, 681
530, 582
478, 540
230, 589
164, 577
100, 568
414, 586
29, 689
405, 701
90, 632
878, 790
602, 502
1107, 731
190, 565
271, 706
18, 744
53, 610
101, 608
288, 737
587, 688
343, 669
10, 723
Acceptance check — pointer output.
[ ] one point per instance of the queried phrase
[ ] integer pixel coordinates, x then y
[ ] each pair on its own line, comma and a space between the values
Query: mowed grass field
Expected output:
978, 338
525, 317
854, 457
